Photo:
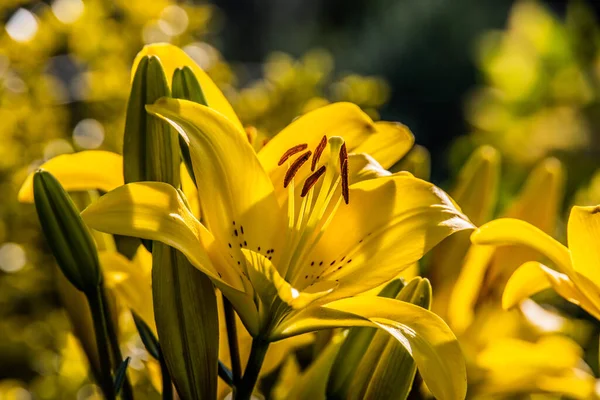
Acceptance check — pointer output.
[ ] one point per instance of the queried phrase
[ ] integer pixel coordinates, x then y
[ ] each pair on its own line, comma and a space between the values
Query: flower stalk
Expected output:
255, 361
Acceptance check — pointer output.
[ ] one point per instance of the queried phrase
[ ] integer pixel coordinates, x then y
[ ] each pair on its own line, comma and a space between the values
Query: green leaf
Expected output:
150, 341
68, 237
120, 374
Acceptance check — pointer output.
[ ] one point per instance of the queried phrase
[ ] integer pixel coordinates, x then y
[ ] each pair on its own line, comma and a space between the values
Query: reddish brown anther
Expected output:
318, 152
312, 180
345, 191
291, 152
291, 172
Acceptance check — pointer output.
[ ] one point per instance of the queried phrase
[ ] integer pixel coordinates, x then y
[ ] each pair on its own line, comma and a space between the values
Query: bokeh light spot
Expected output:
88, 133
67, 11
12, 257
22, 26
173, 20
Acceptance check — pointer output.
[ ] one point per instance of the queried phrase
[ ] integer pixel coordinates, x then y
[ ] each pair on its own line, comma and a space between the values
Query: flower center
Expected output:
321, 194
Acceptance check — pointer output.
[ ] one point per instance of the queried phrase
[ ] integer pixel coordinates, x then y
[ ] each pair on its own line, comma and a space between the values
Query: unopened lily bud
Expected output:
394, 370
67, 235
150, 146
353, 349
185, 86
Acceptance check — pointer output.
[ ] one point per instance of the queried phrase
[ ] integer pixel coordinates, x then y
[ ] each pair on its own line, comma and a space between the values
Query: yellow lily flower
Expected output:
574, 276
293, 269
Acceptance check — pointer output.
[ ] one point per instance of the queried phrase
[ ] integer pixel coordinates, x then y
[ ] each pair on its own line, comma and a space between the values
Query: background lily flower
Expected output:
293, 270
574, 275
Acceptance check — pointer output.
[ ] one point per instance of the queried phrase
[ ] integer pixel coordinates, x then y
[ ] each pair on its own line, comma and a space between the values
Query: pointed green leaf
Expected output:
148, 339
120, 374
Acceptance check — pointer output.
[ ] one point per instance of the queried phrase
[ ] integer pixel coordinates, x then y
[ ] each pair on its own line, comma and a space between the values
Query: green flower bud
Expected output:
185, 86
388, 370
67, 235
150, 146
353, 349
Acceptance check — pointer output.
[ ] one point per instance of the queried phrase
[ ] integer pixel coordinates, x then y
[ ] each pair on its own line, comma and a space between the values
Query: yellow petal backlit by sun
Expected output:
131, 280
508, 231
461, 307
86, 170
427, 338
390, 223
237, 198
533, 277
171, 58
584, 240
346, 120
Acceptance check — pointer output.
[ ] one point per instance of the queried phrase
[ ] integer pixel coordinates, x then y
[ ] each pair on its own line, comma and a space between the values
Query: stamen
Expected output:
312, 180
291, 152
289, 175
344, 172
345, 191
318, 152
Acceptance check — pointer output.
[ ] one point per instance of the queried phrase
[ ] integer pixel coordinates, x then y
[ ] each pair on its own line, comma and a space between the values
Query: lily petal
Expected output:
132, 284
584, 236
509, 231
389, 144
464, 296
172, 57
533, 277
427, 338
238, 200
86, 170
389, 224
156, 211
362, 166
267, 281
388, 141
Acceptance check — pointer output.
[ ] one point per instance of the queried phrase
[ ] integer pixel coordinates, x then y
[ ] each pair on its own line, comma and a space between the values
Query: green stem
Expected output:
232, 339
114, 343
225, 374
255, 361
96, 309
167, 386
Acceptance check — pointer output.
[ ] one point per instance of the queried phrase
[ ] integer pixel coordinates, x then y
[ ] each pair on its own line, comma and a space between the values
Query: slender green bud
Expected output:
185, 86
66, 233
150, 146
391, 368
353, 349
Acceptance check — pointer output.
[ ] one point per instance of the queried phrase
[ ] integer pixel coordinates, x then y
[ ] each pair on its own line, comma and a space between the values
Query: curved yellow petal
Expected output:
385, 141
391, 142
132, 284
190, 191
155, 211
362, 166
236, 196
508, 231
533, 277
465, 293
172, 57
389, 224
268, 283
86, 170
477, 186
427, 338
584, 236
